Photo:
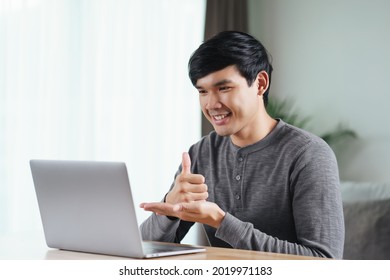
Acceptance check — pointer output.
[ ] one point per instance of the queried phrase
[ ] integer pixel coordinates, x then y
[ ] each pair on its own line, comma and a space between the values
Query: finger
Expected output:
194, 188
192, 178
200, 196
189, 197
155, 205
186, 163
160, 208
149, 204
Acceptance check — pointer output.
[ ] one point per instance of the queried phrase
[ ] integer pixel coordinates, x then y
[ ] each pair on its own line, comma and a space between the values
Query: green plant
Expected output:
284, 109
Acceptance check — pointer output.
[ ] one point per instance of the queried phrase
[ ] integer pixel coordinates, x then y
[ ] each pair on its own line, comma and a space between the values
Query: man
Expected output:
254, 183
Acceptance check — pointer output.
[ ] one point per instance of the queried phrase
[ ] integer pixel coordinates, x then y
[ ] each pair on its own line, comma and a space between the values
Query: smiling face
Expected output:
234, 108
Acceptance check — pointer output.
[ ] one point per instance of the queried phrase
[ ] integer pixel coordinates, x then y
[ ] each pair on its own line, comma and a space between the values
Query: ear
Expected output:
262, 82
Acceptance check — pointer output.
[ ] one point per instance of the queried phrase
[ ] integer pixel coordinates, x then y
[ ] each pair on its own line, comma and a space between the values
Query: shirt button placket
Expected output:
238, 178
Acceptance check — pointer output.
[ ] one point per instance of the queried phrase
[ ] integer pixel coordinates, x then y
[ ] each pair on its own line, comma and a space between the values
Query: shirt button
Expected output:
238, 177
240, 159
238, 196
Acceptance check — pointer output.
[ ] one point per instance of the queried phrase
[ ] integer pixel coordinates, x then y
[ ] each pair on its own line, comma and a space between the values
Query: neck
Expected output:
264, 126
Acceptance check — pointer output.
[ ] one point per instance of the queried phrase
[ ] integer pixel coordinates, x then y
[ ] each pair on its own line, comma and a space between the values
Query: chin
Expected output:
222, 132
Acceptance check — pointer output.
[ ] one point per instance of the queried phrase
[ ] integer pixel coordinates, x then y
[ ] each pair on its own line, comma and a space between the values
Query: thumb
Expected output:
186, 163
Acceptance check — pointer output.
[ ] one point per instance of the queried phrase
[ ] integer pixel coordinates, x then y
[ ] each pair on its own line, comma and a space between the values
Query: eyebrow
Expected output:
217, 84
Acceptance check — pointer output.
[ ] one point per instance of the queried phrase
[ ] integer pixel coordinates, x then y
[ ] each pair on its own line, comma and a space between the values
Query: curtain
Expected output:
222, 15
95, 80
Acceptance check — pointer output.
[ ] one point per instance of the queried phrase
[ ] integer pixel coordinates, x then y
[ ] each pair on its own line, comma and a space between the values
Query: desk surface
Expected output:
33, 247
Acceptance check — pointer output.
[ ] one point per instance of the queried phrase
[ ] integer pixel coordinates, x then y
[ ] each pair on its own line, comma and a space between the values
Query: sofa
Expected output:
367, 220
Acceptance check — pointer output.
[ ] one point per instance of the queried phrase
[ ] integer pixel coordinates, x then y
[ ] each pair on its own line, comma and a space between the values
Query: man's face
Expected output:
231, 106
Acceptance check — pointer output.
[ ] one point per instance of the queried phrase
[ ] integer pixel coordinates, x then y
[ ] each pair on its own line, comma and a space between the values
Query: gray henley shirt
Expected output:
280, 195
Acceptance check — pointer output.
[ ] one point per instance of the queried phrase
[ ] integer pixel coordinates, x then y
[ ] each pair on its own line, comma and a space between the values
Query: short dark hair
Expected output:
231, 48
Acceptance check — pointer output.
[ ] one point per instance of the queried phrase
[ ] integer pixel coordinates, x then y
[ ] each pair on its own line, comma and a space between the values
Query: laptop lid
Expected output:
88, 206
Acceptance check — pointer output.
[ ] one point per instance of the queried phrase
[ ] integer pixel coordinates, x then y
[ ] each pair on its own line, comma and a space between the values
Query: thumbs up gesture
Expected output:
188, 187
187, 199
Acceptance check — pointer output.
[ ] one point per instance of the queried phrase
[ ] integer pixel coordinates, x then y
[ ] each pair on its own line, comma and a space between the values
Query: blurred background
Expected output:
95, 80
107, 80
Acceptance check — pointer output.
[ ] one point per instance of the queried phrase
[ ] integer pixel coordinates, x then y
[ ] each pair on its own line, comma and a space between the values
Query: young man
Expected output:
254, 183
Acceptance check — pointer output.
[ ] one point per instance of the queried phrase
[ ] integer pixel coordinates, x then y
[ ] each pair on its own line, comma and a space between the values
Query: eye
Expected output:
202, 92
224, 88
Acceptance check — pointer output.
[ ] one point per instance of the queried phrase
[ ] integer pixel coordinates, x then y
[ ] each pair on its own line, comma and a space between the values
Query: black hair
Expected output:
231, 48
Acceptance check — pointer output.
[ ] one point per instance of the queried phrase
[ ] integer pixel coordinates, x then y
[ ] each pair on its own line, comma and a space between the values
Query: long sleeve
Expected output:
159, 228
280, 194
316, 206
242, 235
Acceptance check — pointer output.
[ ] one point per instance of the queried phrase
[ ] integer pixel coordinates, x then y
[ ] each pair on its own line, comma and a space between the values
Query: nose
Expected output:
213, 102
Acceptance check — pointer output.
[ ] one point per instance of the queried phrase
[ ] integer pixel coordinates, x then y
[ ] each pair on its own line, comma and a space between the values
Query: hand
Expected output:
188, 187
204, 212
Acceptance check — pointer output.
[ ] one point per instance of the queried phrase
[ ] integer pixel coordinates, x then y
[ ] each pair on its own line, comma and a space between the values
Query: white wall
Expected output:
333, 59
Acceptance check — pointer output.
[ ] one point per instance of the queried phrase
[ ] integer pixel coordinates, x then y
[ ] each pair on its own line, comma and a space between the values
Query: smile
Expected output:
220, 119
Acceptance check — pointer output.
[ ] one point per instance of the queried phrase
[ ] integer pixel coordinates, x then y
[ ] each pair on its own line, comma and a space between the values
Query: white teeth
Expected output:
220, 117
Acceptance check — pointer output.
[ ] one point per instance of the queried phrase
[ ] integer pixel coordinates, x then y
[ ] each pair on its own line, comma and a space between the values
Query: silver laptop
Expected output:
87, 206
